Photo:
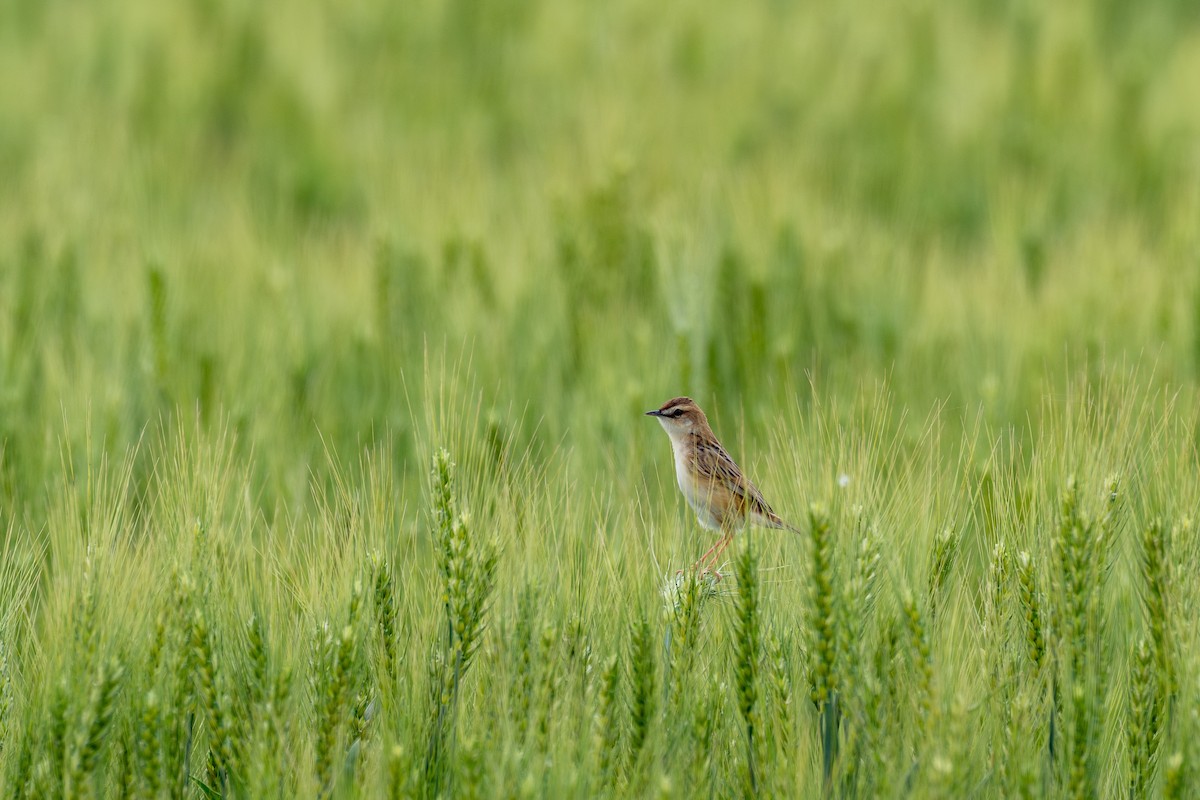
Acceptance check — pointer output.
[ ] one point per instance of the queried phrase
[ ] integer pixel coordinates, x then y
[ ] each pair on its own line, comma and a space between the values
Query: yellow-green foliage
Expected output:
326, 330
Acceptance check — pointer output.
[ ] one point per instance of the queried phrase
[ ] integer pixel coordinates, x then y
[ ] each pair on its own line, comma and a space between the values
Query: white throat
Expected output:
677, 431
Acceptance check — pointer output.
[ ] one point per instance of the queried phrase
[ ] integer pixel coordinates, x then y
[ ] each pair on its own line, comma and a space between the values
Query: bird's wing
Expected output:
717, 466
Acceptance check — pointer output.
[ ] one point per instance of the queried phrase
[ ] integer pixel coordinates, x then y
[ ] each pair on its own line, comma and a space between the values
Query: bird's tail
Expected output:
777, 522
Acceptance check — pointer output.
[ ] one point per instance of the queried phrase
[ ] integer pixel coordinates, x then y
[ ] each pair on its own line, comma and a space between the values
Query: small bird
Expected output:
723, 498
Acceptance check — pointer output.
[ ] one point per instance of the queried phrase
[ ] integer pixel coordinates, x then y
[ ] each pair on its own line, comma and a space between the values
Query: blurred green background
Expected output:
278, 216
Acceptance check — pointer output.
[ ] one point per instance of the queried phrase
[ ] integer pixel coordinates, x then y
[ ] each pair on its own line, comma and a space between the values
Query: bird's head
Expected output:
679, 416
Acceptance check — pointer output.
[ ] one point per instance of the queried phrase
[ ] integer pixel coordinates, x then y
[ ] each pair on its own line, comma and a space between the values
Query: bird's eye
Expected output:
677, 413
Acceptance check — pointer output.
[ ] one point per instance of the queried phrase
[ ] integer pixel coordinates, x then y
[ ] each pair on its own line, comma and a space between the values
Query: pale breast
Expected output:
698, 497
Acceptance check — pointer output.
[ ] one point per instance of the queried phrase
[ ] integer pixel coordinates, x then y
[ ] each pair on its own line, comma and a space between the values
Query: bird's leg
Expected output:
708, 552
719, 548
709, 559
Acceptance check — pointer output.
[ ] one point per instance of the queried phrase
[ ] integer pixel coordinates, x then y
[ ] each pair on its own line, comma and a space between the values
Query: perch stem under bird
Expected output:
723, 498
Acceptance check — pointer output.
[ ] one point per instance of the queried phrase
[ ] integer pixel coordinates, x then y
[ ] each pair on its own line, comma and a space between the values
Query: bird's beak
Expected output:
653, 413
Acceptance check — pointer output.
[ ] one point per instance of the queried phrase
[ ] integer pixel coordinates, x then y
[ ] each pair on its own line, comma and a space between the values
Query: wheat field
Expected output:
326, 330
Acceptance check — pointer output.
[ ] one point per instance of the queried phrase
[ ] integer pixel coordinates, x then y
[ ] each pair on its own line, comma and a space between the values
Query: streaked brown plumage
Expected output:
723, 498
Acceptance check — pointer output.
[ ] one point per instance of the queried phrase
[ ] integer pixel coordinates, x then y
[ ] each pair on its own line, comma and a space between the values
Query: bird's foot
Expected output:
706, 574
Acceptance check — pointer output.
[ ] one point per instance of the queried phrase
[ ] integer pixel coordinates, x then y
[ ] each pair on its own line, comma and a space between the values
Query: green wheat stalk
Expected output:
748, 653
